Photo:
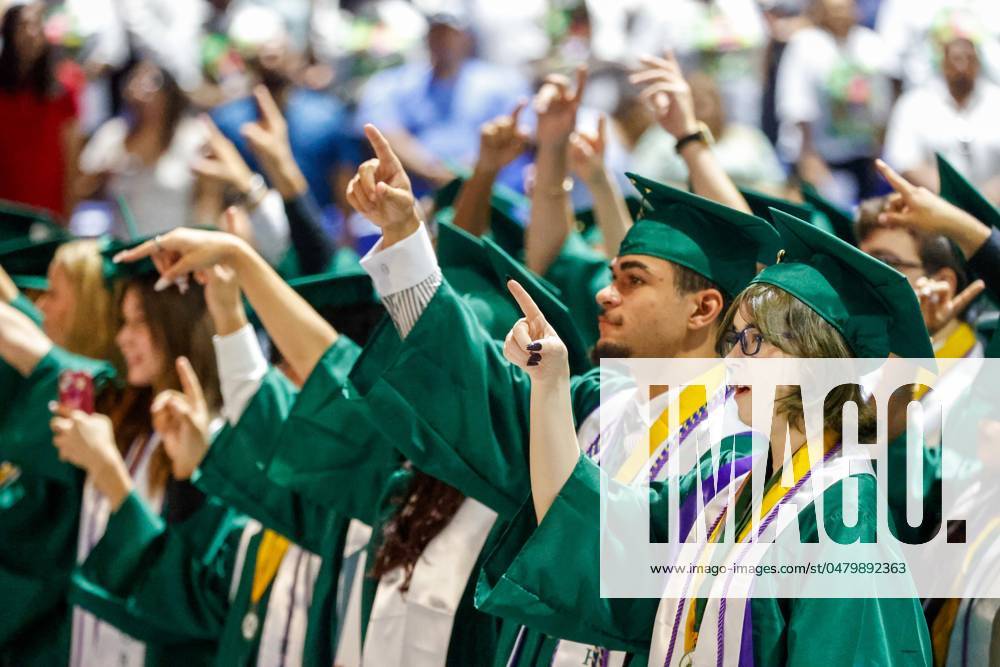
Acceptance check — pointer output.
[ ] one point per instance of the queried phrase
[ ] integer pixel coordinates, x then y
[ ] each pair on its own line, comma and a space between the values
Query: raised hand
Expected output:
268, 140
183, 250
501, 141
556, 106
532, 343
182, 420
381, 191
586, 152
667, 93
88, 442
916, 207
221, 162
937, 308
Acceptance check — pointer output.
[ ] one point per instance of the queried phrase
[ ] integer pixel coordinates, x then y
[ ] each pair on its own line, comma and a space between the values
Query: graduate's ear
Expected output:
707, 307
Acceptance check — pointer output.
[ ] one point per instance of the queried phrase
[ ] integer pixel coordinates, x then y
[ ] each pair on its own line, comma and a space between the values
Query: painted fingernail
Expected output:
534, 357
161, 285
534, 347
532, 363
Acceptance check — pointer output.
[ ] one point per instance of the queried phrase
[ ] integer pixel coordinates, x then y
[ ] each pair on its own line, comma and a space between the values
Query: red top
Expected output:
32, 150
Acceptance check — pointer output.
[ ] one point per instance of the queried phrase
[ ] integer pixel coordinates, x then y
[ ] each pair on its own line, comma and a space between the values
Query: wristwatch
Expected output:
255, 194
702, 134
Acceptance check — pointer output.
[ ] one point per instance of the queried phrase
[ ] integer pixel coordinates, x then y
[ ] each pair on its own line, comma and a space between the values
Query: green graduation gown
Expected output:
547, 585
37, 490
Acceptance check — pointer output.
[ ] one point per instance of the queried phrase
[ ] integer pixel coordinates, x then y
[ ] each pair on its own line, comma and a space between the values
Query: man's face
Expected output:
960, 64
448, 46
897, 248
644, 315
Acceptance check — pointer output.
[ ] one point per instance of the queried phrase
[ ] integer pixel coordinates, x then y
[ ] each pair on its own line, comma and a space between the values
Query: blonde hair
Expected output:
797, 330
93, 327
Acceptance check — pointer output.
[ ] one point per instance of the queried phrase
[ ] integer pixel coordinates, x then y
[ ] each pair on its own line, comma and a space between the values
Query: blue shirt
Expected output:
319, 131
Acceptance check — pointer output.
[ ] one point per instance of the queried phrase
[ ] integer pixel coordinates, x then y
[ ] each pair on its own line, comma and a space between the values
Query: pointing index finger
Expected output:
190, 383
141, 251
269, 110
524, 301
898, 183
383, 151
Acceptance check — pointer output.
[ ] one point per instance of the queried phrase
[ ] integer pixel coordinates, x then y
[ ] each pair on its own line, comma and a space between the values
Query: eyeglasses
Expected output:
749, 342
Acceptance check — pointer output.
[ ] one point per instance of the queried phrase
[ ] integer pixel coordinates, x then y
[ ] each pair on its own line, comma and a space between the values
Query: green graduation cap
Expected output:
125, 270
465, 265
871, 304
586, 219
336, 289
508, 211
761, 205
21, 222
840, 220
29, 257
36, 283
556, 313
715, 241
957, 190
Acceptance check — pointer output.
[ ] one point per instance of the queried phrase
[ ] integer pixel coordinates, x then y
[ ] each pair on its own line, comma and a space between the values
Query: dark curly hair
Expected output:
421, 513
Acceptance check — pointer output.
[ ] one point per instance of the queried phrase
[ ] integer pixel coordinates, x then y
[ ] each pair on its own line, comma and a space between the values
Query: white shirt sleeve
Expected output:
242, 367
406, 277
270, 227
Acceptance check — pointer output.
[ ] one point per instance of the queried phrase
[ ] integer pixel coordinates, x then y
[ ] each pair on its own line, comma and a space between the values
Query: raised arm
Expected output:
22, 343
586, 158
534, 346
551, 213
669, 96
501, 140
300, 332
268, 140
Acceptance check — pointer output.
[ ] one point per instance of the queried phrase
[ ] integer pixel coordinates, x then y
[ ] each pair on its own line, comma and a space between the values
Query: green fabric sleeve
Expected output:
331, 452
535, 575
235, 468
26, 306
453, 405
162, 584
25, 436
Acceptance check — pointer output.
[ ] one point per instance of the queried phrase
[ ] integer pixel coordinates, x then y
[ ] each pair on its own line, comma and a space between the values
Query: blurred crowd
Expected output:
150, 103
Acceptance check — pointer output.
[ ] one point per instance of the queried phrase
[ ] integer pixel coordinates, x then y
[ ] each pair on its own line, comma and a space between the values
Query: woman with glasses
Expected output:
825, 299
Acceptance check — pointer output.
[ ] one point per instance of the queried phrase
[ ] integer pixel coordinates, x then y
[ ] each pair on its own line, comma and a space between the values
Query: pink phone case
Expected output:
76, 391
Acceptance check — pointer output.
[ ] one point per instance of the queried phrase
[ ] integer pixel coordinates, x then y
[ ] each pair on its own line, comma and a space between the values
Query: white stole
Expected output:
349, 642
94, 642
414, 628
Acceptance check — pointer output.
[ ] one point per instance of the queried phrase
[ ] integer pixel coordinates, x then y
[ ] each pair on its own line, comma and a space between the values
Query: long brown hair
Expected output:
180, 326
421, 513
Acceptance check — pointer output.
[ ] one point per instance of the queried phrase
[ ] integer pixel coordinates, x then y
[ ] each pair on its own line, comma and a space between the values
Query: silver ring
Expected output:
156, 242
